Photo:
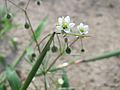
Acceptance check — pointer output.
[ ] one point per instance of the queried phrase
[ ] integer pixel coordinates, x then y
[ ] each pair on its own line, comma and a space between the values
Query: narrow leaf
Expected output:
13, 79
40, 27
103, 56
3, 86
2, 59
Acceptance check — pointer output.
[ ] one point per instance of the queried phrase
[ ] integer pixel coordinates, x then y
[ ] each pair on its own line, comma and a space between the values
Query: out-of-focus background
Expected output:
103, 18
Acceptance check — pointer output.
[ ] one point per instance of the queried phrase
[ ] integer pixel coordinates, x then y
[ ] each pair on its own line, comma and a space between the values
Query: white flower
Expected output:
64, 24
83, 29
60, 81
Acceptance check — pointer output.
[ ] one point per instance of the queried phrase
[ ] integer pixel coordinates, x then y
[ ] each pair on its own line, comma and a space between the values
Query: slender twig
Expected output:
81, 42
19, 59
27, 5
43, 40
45, 82
74, 41
32, 31
28, 21
36, 88
6, 5
58, 41
54, 61
16, 5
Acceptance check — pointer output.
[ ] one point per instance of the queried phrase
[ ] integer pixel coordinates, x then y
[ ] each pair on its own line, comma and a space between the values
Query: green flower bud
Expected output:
33, 55
26, 25
68, 50
8, 16
54, 49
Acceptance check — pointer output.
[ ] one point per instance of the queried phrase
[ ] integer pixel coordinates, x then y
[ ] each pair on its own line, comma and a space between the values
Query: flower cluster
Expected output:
66, 26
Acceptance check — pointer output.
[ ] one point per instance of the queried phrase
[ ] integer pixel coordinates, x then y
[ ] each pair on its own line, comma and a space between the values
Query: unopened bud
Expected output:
27, 25
68, 50
54, 49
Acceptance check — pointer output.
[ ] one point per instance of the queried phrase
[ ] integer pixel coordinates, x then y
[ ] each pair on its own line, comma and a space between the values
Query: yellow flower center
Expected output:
82, 30
65, 25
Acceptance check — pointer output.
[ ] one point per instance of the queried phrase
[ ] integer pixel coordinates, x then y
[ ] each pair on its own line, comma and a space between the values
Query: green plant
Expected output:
58, 43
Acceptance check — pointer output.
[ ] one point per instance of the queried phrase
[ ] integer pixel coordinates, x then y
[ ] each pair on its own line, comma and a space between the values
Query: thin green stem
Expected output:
103, 56
19, 59
43, 39
16, 5
27, 5
59, 42
97, 58
32, 31
36, 88
45, 82
54, 61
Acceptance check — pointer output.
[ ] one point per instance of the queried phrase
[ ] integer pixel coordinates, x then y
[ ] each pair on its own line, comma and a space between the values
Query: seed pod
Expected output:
38, 2
33, 55
82, 50
26, 25
8, 16
68, 50
54, 49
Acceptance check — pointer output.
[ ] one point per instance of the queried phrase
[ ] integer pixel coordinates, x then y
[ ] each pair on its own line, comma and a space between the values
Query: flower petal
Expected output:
67, 19
78, 27
86, 32
81, 25
67, 30
60, 20
86, 27
71, 25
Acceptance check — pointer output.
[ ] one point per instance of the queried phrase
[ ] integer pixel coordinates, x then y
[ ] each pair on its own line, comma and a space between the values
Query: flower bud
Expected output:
54, 49
26, 25
33, 55
82, 50
68, 50
38, 2
8, 16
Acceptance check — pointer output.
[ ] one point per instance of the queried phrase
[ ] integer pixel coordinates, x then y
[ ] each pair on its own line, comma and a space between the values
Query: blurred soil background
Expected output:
103, 18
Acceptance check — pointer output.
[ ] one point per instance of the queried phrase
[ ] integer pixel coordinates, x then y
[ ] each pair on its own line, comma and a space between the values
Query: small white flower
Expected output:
83, 29
60, 81
64, 24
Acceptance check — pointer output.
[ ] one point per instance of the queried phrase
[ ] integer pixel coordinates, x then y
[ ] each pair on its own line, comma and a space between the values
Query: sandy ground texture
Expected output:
103, 18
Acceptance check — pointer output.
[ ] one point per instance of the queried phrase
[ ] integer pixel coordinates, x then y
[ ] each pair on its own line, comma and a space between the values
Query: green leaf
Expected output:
29, 50
13, 79
103, 56
65, 85
2, 59
40, 28
3, 86
7, 25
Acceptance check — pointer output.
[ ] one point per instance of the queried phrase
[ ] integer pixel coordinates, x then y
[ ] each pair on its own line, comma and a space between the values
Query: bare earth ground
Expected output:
103, 18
